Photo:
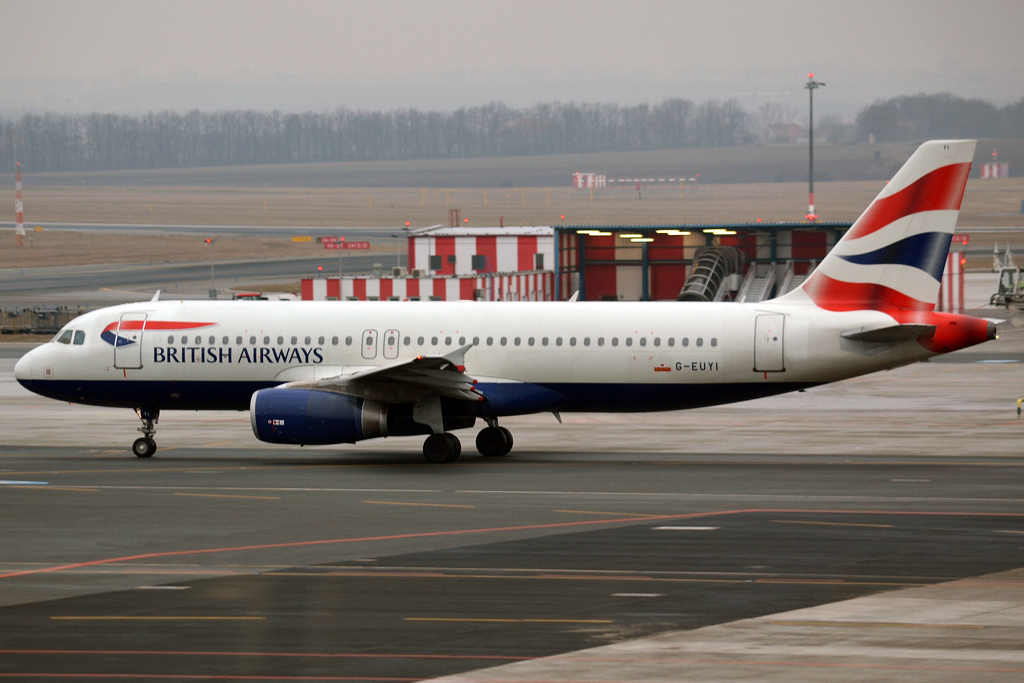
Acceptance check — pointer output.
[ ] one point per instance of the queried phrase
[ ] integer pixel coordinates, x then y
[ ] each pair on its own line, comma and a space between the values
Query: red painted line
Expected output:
335, 541
462, 532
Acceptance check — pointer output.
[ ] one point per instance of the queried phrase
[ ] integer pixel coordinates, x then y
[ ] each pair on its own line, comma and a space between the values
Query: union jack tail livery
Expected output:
893, 256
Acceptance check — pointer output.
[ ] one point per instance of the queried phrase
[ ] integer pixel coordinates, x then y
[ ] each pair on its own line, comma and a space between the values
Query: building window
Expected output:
538, 261
436, 262
479, 262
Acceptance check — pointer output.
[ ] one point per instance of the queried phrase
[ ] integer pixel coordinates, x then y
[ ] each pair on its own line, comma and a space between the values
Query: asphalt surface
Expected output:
217, 563
357, 233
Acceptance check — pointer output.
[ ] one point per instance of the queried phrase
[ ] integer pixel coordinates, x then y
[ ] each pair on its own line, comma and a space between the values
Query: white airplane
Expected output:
341, 372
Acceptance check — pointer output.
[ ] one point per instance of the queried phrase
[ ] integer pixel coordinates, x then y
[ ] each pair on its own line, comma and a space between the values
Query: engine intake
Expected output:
310, 417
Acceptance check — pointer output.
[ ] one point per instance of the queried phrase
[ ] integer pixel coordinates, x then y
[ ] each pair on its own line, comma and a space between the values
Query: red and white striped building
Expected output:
459, 264
951, 293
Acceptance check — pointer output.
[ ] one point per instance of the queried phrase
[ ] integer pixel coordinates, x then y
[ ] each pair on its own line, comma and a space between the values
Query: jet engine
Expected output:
307, 416
315, 418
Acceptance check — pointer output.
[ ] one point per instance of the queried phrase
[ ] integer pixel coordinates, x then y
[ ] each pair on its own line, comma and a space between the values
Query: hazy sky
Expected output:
138, 55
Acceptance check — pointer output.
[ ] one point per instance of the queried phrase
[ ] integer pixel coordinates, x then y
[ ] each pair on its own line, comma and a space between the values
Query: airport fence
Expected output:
38, 319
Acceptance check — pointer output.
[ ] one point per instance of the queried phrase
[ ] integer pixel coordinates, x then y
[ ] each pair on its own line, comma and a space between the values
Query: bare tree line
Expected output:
72, 142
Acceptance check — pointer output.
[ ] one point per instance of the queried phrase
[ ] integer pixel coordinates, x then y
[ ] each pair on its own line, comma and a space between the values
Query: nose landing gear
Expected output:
145, 447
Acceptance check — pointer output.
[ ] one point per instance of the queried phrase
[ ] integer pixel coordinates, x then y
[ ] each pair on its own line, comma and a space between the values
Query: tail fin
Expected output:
893, 256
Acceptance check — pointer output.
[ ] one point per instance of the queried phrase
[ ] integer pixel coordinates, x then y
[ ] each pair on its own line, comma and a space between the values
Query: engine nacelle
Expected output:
307, 416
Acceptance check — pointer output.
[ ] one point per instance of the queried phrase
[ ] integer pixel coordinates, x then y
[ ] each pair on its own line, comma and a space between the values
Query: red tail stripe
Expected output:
835, 295
940, 190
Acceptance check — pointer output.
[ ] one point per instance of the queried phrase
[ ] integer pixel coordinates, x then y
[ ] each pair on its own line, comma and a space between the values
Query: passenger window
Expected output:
334, 341
308, 341
558, 341
320, 341
476, 341
544, 341
184, 340
671, 341
586, 341
280, 340
238, 340
462, 341
530, 341
79, 337
714, 341
213, 340
433, 341
700, 341
504, 340
686, 341
643, 341
224, 341
170, 339
572, 341
391, 340
447, 341
490, 341
419, 340
252, 340
615, 341
657, 341
348, 341
518, 341
407, 340
266, 341
629, 341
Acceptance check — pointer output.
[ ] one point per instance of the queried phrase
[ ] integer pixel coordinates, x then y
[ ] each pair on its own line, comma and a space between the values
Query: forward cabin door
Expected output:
128, 341
768, 343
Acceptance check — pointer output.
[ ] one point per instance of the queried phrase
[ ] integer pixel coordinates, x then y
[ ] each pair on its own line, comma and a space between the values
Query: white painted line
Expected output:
637, 595
24, 483
910, 480
162, 588
685, 528
1008, 531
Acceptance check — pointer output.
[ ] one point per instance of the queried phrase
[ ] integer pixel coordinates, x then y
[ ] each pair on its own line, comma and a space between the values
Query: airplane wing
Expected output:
405, 381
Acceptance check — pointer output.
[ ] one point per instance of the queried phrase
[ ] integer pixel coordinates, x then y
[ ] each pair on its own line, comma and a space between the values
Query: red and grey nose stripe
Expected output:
109, 333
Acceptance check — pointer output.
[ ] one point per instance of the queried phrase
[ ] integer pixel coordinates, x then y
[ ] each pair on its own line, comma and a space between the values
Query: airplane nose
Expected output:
23, 368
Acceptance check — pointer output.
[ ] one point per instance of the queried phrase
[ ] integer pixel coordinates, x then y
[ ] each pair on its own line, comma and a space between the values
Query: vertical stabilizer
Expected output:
893, 256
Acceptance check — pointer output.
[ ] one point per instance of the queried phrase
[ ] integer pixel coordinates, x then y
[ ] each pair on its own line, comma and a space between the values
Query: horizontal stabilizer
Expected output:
891, 334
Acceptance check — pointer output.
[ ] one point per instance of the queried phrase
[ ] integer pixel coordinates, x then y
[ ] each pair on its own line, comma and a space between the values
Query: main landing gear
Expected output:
145, 447
493, 441
442, 448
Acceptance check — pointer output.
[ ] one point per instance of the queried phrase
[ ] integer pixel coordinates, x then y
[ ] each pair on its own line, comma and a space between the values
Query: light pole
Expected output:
213, 288
811, 86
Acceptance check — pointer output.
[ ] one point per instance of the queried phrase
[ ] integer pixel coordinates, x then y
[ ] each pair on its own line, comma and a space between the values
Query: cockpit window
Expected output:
79, 337
65, 337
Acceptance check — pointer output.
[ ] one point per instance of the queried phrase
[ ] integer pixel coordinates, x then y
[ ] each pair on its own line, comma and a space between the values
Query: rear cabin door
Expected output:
391, 344
369, 345
768, 346
128, 341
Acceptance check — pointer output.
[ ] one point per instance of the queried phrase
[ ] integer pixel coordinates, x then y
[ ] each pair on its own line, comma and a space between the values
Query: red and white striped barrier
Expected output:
532, 286
951, 292
19, 209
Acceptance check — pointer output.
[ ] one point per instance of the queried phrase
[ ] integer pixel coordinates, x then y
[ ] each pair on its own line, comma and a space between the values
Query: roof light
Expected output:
642, 239
630, 235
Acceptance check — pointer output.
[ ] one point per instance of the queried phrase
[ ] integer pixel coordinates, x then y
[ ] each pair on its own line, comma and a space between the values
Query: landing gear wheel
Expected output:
508, 440
492, 442
442, 448
144, 447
